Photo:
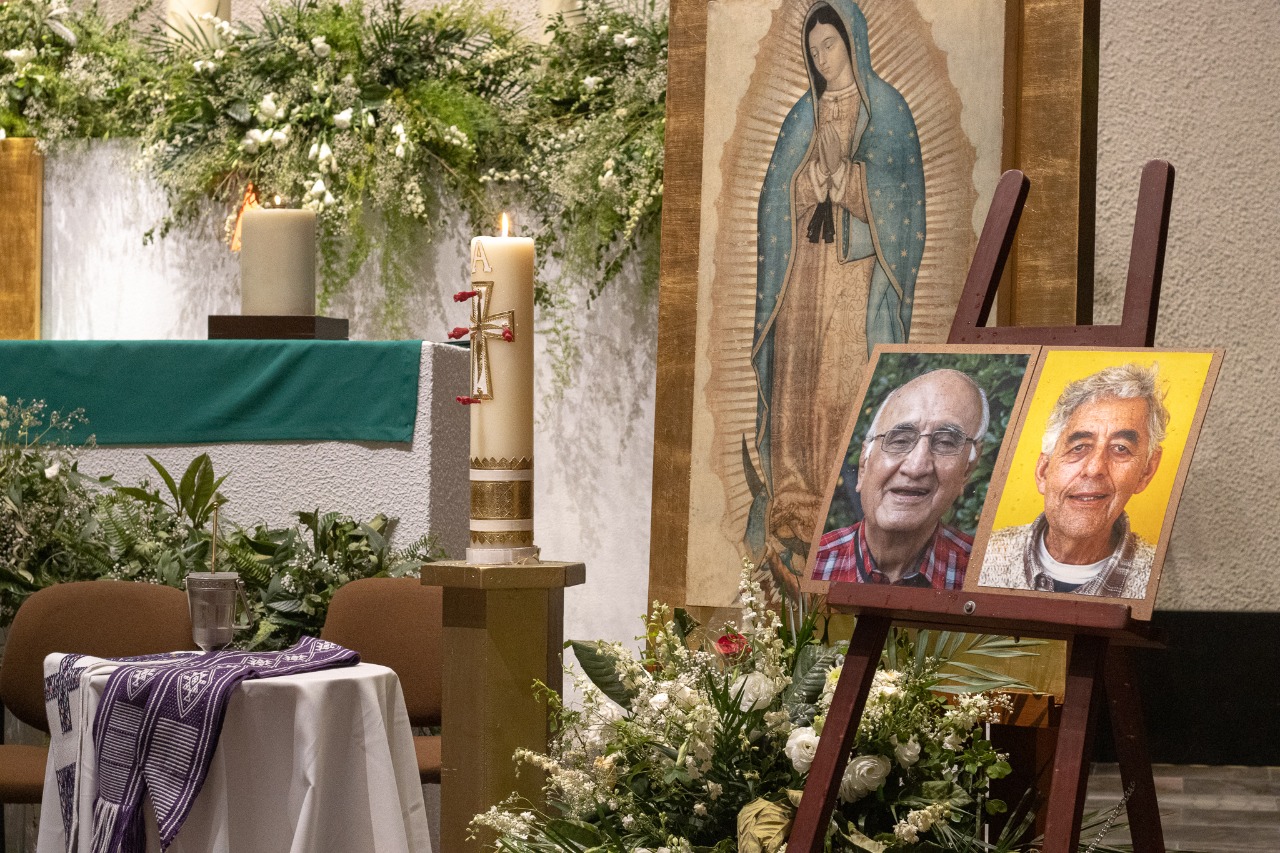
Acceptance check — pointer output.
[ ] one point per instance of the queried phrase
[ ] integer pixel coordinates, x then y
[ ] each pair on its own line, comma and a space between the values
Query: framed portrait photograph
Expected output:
1087, 500
905, 496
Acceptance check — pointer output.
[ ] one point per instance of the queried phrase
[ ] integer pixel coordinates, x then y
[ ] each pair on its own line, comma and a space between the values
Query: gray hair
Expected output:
982, 424
1124, 382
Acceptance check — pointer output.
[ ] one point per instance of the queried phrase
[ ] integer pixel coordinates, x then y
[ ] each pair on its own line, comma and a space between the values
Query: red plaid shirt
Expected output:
844, 555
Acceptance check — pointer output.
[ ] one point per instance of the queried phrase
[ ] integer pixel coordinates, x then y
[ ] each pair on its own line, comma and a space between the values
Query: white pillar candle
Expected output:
278, 262
502, 381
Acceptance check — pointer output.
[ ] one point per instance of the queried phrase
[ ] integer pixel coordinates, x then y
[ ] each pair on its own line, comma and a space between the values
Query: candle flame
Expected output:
506, 225
249, 202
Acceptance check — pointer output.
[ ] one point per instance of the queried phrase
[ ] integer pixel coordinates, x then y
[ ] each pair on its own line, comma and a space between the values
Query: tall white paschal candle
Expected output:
502, 396
278, 262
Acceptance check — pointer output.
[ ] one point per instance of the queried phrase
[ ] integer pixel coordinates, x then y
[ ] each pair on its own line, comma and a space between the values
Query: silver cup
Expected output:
212, 598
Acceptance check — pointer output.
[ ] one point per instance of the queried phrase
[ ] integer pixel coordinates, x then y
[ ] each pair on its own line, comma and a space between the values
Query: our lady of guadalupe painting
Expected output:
850, 150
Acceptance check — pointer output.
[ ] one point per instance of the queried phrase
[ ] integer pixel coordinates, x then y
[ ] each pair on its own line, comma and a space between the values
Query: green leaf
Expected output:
600, 668
812, 664
168, 480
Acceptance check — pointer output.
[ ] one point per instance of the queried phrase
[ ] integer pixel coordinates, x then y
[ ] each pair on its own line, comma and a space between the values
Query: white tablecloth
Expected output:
310, 763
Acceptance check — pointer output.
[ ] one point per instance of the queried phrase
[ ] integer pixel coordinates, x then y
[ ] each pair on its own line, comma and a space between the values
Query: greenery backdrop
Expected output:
385, 122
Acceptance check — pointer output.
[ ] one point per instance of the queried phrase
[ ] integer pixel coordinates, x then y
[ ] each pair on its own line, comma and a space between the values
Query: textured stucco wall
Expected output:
1195, 84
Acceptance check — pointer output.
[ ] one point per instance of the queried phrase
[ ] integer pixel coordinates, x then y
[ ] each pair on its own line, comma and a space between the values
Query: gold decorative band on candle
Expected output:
524, 463
494, 499
502, 539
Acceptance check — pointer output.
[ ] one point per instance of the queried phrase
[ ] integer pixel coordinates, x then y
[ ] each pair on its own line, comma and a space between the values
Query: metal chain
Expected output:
1112, 818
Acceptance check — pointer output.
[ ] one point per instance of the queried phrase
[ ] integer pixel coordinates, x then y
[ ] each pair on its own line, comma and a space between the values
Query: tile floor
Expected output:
1207, 809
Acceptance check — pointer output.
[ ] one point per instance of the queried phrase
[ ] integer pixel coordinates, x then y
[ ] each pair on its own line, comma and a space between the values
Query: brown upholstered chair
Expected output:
395, 622
101, 618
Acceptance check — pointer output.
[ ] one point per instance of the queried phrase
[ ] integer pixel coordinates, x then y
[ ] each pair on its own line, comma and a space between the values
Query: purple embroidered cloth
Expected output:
157, 727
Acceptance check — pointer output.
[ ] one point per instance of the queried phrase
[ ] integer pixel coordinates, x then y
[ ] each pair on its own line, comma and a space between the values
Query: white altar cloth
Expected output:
310, 763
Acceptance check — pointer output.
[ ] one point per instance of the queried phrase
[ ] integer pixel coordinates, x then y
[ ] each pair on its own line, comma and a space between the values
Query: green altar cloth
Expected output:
205, 392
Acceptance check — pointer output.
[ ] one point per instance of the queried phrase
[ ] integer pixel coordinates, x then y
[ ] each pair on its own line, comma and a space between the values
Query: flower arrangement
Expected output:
58, 525
67, 75
379, 119
325, 107
704, 744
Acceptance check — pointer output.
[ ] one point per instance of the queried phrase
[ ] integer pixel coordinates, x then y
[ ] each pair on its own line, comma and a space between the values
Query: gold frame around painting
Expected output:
1050, 109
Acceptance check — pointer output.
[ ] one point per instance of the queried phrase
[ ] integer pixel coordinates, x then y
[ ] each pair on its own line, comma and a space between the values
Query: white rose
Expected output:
342, 120
864, 774
954, 741
619, 40
52, 470
907, 753
659, 701
802, 745
280, 138
684, 696
757, 691
591, 83
632, 41
321, 49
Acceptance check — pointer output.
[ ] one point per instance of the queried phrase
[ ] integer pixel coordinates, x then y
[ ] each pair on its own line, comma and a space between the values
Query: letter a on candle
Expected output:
478, 256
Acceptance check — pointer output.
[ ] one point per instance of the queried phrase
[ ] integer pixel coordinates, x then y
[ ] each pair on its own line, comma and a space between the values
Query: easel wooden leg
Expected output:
838, 734
1075, 744
1131, 748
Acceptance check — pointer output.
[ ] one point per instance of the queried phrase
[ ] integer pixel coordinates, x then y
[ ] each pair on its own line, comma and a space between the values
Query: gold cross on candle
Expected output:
484, 326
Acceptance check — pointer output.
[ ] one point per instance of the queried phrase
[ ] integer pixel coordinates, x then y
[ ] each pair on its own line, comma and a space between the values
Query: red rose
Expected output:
733, 645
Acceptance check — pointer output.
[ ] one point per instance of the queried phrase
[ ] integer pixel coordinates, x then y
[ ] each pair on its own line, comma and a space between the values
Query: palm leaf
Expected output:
600, 667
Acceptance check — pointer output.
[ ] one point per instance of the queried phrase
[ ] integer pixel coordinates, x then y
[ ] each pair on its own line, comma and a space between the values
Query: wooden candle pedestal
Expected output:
503, 630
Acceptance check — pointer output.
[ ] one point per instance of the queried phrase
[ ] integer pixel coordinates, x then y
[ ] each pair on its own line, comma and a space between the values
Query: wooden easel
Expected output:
1099, 632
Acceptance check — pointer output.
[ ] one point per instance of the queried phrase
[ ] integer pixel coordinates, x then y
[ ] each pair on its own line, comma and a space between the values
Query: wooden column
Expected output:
503, 630
1051, 134
21, 208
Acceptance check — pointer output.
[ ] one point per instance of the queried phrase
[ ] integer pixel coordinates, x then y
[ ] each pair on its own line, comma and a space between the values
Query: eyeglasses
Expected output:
942, 442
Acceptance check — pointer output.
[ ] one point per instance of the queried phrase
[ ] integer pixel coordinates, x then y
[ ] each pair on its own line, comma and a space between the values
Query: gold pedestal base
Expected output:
503, 630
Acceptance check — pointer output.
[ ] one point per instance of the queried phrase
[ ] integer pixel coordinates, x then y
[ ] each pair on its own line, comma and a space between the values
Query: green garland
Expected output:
374, 118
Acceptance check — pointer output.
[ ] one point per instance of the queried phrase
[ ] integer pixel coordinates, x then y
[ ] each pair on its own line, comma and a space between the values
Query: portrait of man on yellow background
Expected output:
1092, 479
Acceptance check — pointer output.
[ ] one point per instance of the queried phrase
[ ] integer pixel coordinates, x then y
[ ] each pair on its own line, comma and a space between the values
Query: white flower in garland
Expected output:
268, 110
20, 57
254, 140
280, 137
591, 82
52, 470
321, 47
342, 120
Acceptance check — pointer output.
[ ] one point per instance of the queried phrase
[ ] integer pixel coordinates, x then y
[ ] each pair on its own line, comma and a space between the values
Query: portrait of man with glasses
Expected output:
923, 445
